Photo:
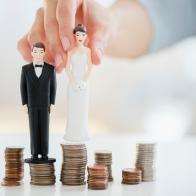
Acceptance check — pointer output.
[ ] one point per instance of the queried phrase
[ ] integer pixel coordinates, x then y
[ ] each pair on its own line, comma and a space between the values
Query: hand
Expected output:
79, 85
131, 29
82, 85
25, 108
54, 25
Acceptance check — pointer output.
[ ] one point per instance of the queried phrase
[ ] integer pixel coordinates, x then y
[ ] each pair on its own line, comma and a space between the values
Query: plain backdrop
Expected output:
126, 95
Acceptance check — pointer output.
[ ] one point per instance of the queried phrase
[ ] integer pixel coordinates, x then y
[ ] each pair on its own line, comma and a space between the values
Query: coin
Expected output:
14, 166
74, 164
104, 157
145, 160
131, 176
10, 183
97, 177
42, 174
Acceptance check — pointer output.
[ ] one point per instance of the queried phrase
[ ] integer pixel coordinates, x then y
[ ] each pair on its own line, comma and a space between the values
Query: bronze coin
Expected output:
10, 183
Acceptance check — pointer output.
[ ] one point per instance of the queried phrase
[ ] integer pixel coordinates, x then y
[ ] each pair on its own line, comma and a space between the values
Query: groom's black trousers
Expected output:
39, 129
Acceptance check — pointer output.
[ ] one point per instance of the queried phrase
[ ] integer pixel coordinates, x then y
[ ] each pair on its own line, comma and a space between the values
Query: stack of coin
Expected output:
145, 160
14, 167
104, 157
42, 174
97, 177
131, 176
74, 164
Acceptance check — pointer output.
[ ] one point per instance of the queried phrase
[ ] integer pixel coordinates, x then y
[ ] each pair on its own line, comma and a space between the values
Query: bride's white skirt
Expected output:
77, 114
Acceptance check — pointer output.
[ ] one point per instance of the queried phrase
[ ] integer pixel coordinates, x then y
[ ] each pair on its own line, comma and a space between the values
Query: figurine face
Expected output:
38, 54
80, 37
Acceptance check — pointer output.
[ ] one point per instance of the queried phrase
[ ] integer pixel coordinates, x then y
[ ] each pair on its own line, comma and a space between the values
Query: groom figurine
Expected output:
38, 91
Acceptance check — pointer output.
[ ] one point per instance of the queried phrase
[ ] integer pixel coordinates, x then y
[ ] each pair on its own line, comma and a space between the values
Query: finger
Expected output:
52, 32
24, 48
37, 34
98, 28
66, 14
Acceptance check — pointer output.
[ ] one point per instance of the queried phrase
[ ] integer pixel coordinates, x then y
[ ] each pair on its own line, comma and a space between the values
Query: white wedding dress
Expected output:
77, 102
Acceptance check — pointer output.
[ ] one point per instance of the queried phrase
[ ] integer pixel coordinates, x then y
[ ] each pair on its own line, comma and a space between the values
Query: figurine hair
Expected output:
79, 27
38, 45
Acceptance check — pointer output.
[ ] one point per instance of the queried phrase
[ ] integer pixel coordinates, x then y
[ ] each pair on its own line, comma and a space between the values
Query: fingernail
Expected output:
65, 43
58, 60
99, 52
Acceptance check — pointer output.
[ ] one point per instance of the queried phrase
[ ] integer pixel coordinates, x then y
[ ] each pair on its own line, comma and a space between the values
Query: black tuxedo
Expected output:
38, 94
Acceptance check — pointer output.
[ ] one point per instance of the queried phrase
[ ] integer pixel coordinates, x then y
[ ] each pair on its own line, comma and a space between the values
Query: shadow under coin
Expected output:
36, 190
144, 188
15, 190
73, 190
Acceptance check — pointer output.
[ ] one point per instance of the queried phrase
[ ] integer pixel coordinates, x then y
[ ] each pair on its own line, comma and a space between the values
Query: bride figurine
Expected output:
78, 69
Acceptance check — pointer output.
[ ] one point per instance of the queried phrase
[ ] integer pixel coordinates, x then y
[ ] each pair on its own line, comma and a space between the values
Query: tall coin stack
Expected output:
145, 160
14, 167
104, 157
97, 177
74, 164
131, 176
42, 174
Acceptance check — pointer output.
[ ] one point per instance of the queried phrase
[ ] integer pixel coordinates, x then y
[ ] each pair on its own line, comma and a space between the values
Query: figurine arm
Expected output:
89, 67
68, 68
23, 88
53, 87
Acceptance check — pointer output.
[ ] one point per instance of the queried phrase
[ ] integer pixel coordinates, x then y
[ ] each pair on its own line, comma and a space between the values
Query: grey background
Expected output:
173, 20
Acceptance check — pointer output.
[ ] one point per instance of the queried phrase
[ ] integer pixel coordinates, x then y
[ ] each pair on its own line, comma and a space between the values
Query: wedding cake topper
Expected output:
38, 92
78, 69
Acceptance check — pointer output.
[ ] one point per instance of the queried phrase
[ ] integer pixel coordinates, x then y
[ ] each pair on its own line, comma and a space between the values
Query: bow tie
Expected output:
38, 65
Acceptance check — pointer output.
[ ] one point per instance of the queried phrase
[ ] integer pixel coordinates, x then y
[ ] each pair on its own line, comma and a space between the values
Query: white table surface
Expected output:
176, 168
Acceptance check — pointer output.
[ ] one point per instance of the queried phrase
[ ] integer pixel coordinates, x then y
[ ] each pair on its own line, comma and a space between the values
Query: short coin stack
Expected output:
14, 167
74, 164
42, 174
145, 160
131, 176
104, 157
97, 177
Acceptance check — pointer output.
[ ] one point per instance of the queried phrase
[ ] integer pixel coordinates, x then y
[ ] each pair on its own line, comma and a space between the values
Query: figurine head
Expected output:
38, 51
80, 34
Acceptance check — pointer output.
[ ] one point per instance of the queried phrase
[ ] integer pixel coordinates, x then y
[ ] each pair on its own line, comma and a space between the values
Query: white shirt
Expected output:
38, 70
